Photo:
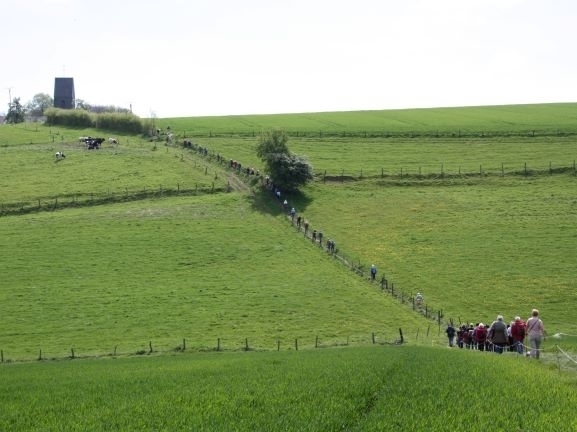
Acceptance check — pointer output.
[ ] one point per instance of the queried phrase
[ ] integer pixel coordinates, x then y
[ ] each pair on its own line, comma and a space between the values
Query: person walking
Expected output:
536, 332
480, 336
450, 334
518, 334
373, 272
498, 335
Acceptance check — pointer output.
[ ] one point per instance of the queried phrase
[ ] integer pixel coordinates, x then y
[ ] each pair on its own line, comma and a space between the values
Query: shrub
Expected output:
118, 122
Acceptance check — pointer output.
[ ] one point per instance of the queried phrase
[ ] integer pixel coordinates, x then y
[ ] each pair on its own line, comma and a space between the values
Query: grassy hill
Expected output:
516, 120
149, 249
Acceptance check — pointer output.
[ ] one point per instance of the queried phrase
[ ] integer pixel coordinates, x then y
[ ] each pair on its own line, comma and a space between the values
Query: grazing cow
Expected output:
169, 138
59, 156
94, 143
112, 141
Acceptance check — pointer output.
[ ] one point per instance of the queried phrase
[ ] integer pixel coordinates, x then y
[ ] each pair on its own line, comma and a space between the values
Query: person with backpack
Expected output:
480, 335
518, 330
462, 335
498, 335
373, 272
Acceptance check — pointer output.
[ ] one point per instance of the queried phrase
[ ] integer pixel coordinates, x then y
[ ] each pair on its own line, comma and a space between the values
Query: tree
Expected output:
15, 112
287, 171
82, 104
272, 143
39, 103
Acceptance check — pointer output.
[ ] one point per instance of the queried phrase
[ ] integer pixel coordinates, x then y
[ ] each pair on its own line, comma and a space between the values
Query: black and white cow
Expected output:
59, 156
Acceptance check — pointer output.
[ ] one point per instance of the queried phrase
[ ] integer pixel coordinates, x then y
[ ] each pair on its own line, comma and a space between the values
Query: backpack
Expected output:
518, 330
481, 334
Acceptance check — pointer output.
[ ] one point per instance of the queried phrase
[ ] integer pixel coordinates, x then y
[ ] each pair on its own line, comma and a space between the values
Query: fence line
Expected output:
358, 268
108, 197
227, 345
368, 134
420, 174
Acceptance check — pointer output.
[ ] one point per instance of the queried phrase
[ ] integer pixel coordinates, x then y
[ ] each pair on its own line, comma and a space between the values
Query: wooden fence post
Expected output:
218, 344
296, 344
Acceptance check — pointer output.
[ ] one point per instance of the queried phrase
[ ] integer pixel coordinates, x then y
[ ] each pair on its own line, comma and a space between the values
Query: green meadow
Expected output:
178, 295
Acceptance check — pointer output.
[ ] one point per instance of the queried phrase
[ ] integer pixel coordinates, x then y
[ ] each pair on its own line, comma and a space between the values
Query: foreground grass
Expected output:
357, 389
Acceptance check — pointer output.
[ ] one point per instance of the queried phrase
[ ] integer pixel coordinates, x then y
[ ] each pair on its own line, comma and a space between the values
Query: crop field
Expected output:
518, 120
146, 287
355, 389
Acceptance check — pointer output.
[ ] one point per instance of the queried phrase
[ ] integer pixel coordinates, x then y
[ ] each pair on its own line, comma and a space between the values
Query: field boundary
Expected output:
368, 134
418, 174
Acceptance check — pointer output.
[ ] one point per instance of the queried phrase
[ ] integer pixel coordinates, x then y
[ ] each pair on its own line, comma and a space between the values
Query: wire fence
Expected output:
106, 197
424, 173
425, 133
387, 337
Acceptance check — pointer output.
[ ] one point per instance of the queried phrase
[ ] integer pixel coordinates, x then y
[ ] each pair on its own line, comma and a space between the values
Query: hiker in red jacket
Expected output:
518, 331
480, 335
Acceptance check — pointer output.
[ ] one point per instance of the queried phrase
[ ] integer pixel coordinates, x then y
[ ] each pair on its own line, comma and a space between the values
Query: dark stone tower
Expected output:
64, 93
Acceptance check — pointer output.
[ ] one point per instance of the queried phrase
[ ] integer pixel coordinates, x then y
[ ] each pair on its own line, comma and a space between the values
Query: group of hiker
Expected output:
300, 222
499, 337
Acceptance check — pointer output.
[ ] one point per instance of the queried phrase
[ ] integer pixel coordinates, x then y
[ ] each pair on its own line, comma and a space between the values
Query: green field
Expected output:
199, 269
162, 252
516, 120
355, 389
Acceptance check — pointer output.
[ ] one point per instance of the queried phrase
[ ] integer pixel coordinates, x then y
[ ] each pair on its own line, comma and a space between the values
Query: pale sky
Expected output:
182, 58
